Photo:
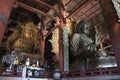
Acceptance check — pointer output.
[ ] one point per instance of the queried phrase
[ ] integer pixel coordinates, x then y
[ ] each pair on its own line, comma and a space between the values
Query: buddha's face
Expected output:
86, 29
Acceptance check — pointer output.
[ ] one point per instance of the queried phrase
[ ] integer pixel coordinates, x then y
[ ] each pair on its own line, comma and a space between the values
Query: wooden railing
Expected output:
92, 72
71, 74
10, 73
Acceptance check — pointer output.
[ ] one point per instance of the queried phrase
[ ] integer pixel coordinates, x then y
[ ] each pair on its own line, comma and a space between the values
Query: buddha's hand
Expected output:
97, 39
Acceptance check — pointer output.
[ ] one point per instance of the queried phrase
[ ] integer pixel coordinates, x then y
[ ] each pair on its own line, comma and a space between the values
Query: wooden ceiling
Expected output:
88, 10
26, 10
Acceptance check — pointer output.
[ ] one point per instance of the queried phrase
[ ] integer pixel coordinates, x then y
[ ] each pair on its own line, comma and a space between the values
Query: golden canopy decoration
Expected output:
71, 26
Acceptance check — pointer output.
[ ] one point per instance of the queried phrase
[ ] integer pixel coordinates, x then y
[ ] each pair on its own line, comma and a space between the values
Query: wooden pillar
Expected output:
42, 49
115, 38
42, 46
113, 26
2, 29
62, 24
42, 40
5, 9
61, 54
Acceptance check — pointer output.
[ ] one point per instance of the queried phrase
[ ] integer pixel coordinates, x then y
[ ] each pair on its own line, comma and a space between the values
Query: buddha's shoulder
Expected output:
76, 34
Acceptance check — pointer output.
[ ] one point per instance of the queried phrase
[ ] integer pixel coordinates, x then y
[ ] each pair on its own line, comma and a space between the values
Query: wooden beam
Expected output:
79, 8
51, 11
45, 4
51, 30
69, 2
34, 10
57, 25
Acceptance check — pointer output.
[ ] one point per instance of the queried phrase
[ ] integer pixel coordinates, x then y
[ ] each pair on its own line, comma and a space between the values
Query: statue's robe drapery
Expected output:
82, 46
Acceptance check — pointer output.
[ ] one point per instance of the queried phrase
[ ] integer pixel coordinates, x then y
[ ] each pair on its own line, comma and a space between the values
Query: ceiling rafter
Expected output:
34, 10
79, 8
89, 9
45, 4
69, 2
93, 12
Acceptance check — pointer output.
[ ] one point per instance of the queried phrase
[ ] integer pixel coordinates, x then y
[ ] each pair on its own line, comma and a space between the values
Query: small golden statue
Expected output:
16, 61
27, 63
